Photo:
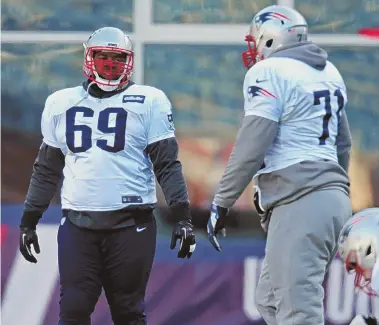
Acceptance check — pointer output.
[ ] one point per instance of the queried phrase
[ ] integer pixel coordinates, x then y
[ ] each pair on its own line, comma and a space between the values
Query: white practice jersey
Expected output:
104, 142
306, 103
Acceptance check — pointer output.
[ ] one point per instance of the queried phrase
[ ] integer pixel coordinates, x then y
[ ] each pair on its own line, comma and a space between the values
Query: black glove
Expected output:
216, 225
183, 230
371, 320
28, 237
362, 320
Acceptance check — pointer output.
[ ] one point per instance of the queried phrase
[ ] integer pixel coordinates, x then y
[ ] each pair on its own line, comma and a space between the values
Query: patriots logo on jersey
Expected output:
258, 91
269, 16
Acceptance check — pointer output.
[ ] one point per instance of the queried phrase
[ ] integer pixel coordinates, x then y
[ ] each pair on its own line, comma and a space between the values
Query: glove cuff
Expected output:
30, 219
371, 320
180, 211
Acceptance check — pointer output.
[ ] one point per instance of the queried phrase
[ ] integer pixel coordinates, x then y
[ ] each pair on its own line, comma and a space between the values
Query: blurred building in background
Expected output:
191, 49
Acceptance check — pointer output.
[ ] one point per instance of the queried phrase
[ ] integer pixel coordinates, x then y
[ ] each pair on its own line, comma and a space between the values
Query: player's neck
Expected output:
95, 91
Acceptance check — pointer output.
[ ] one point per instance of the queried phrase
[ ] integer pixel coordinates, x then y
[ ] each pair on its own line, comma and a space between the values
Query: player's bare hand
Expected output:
216, 225
28, 237
183, 231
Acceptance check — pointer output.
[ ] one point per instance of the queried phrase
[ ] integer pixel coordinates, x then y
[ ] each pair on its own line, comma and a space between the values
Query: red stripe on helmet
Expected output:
278, 15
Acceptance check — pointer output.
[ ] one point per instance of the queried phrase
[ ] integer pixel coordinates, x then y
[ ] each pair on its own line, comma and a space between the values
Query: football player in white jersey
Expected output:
109, 137
295, 141
358, 248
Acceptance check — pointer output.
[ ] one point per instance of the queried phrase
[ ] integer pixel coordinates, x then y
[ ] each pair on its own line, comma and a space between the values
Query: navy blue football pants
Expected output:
119, 261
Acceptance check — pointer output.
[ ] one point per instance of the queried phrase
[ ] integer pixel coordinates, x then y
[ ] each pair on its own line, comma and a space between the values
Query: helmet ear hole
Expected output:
368, 251
269, 43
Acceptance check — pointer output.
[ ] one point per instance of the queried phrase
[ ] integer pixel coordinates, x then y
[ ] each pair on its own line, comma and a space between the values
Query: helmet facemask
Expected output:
109, 67
362, 264
251, 55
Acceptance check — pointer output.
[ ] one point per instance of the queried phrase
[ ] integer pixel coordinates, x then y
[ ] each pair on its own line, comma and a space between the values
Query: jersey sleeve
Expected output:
262, 93
161, 123
48, 124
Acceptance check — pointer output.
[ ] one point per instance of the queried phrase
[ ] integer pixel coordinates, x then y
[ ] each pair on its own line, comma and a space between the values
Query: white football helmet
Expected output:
109, 74
271, 29
358, 247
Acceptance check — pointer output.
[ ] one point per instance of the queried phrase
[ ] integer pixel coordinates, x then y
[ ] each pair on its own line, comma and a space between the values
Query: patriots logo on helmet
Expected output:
269, 16
345, 233
346, 230
258, 91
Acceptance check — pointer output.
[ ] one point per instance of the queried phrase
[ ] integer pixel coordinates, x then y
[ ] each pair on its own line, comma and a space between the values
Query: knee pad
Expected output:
76, 307
259, 297
264, 306
262, 309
